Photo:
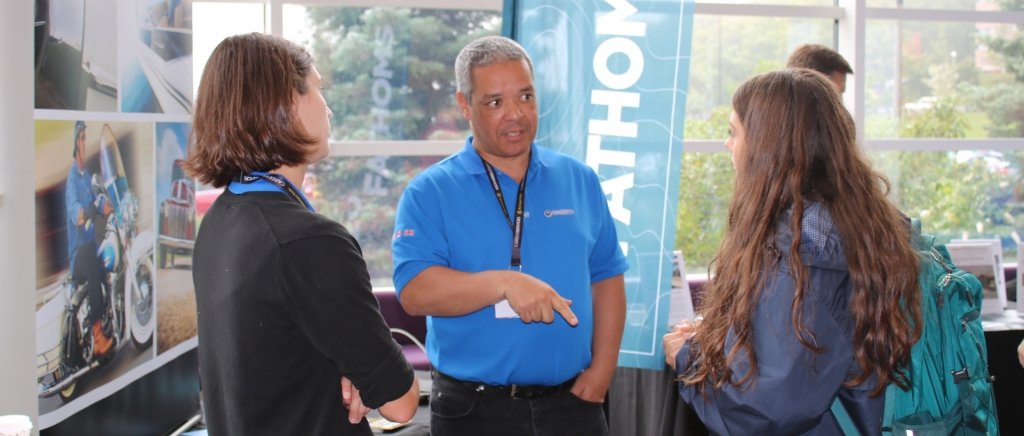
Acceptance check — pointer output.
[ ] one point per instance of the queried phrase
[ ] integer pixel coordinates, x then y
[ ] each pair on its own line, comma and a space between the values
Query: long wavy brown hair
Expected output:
801, 147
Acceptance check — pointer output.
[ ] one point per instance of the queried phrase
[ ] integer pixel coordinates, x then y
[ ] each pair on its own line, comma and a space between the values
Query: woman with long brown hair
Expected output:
813, 293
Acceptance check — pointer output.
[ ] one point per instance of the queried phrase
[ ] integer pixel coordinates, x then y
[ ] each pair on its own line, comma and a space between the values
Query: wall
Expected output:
17, 243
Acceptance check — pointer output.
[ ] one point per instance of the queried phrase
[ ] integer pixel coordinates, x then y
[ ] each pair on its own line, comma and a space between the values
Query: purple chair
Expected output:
410, 331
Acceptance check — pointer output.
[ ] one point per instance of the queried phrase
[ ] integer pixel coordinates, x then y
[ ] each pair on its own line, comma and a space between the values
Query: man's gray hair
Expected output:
483, 52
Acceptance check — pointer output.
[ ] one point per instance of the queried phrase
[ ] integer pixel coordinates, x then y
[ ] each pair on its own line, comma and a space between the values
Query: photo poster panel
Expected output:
984, 259
611, 80
115, 213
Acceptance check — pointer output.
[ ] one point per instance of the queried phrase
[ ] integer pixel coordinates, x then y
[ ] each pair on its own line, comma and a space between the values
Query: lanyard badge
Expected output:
515, 221
261, 181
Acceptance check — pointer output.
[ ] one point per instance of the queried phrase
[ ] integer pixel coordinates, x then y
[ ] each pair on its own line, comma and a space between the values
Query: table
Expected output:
1003, 332
420, 424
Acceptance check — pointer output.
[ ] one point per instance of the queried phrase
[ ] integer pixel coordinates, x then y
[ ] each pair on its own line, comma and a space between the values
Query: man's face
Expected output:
80, 149
502, 110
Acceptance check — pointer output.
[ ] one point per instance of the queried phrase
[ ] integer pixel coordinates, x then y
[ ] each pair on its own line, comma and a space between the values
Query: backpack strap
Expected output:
843, 418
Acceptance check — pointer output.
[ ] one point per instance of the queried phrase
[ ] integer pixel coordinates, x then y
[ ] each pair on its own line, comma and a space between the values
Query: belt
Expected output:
514, 391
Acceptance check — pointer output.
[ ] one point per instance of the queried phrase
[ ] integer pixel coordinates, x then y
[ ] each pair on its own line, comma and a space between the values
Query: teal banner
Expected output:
611, 79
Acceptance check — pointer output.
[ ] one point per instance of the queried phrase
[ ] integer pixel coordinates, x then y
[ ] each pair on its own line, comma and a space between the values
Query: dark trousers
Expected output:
87, 270
459, 408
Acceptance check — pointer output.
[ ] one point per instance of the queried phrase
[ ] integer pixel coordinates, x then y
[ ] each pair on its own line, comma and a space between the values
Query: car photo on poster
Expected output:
177, 219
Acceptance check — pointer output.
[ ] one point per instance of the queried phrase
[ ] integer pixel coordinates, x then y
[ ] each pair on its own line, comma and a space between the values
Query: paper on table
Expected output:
984, 259
1020, 274
680, 301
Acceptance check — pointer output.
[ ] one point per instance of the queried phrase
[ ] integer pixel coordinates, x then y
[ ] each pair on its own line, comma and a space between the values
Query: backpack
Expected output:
950, 386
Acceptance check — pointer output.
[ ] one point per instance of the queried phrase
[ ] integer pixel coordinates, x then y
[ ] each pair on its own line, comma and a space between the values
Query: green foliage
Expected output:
706, 187
727, 50
942, 120
361, 193
715, 127
1004, 98
952, 195
413, 52
389, 71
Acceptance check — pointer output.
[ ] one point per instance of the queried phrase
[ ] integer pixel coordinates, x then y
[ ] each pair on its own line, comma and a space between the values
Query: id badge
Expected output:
504, 310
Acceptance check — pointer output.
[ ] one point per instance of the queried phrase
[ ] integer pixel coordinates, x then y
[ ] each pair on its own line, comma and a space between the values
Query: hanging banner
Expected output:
115, 214
611, 79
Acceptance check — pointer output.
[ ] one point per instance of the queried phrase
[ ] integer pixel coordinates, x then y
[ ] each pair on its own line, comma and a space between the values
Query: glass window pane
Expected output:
728, 50
705, 186
209, 28
361, 193
930, 186
959, 5
388, 71
955, 81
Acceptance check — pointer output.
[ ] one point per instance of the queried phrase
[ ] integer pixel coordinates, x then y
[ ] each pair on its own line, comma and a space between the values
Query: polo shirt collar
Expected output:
472, 163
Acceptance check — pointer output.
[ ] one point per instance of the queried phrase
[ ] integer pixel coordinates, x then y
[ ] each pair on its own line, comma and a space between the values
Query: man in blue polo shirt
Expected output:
511, 252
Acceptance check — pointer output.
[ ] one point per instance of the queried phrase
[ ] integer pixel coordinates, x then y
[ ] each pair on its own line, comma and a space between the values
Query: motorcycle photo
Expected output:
69, 345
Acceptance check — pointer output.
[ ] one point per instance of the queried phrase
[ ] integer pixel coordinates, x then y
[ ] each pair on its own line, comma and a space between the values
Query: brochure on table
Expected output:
680, 305
1020, 270
984, 259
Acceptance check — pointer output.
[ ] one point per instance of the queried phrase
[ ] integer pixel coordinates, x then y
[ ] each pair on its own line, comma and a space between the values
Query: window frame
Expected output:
850, 18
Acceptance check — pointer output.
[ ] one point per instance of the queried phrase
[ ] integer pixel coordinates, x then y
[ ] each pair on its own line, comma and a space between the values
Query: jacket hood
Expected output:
820, 243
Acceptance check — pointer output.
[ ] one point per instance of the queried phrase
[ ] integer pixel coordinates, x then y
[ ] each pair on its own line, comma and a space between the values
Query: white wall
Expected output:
17, 213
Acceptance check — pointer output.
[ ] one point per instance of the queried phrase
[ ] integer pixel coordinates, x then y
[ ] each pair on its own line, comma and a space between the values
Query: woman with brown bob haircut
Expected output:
809, 291
290, 334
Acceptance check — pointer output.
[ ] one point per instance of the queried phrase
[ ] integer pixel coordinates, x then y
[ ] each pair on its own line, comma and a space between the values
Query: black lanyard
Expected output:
517, 224
281, 183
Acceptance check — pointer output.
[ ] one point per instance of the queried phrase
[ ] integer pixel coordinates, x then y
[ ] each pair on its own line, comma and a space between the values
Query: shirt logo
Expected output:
558, 212
401, 233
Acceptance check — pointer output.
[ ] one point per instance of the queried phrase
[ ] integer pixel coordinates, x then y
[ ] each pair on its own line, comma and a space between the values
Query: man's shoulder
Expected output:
449, 169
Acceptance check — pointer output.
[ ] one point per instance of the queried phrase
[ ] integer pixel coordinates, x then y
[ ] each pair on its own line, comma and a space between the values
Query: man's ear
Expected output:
460, 98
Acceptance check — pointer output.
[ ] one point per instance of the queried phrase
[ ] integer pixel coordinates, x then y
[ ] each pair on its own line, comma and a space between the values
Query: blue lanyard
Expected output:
261, 181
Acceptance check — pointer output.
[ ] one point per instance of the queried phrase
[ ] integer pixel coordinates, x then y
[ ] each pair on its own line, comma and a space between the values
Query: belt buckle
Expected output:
517, 392
520, 392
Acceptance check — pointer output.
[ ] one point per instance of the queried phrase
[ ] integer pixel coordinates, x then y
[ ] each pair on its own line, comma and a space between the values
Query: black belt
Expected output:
514, 391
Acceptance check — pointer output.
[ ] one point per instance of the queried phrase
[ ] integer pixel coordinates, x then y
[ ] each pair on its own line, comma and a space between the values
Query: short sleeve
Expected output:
419, 240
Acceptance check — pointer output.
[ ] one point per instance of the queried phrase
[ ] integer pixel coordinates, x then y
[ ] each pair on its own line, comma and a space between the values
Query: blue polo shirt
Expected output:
449, 216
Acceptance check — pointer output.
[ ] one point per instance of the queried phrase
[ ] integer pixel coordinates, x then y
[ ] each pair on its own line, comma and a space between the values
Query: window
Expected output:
389, 78
936, 96
727, 49
954, 114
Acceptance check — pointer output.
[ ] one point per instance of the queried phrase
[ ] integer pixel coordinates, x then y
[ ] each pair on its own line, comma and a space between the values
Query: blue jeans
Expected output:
460, 409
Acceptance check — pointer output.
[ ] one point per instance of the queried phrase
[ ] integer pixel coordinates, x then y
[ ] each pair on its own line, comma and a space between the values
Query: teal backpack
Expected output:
950, 386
